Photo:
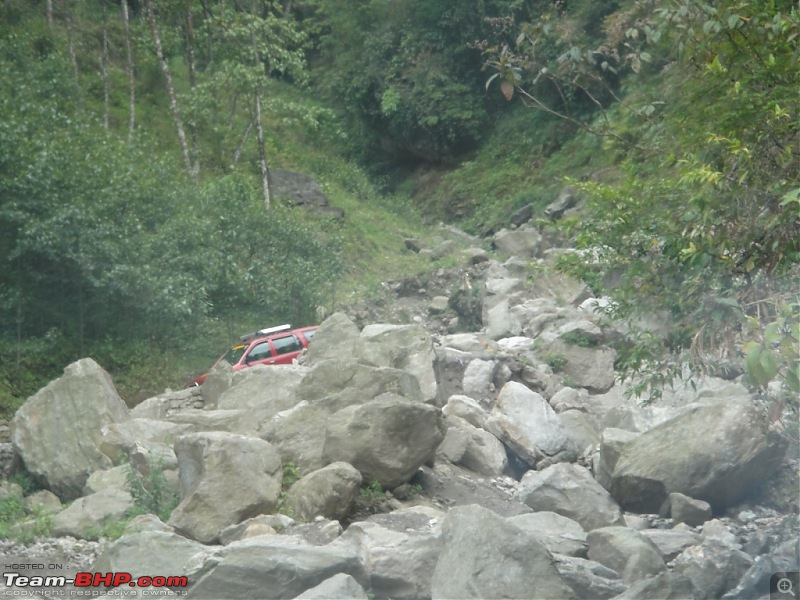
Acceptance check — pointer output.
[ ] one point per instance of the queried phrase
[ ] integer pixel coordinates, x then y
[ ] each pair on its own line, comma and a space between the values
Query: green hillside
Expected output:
136, 138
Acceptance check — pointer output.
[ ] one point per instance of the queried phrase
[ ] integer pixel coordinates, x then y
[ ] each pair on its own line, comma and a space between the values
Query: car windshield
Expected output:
233, 355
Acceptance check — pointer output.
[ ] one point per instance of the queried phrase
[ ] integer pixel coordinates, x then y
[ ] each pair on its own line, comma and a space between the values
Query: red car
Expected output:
272, 346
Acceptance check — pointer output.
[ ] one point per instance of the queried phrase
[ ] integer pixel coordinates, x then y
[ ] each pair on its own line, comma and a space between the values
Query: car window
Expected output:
234, 354
259, 352
289, 343
309, 334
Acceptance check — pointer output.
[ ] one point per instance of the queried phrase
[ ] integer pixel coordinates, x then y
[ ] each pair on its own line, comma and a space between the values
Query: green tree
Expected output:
702, 226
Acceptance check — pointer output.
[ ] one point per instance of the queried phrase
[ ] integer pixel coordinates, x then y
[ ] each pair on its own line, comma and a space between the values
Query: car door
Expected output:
286, 348
261, 353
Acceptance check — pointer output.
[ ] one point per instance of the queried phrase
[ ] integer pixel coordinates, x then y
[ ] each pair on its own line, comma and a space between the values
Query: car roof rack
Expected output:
266, 331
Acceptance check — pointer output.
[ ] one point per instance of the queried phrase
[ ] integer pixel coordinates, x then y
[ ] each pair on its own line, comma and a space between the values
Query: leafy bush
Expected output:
151, 491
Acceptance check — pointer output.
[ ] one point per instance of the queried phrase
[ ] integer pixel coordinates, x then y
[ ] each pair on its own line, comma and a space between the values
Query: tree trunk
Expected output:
262, 153
192, 81
104, 69
237, 153
173, 99
50, 14
131, 73
71, 47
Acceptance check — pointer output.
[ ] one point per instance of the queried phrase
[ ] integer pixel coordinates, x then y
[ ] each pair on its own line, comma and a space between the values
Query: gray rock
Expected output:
590, 368
148, 553
589, 579
559, 534
328, 492
43, 501
438, 305
580, 428
671, 542
217, 383
466, 408
114, 478
524, 242
501, 322
405, 347
146, 522
260, 525
568, 398
524, 421
272, 567
400, 564
713, 568
629, 552
684, 509
336, 337
263, 388
570, 490
567, 198
454, 444
477, 381
225, 479
387, 439
483, 452
715, 452
346, 382
229, 421
612, 443
86, 517
119, 439
485, 556
70, 414
664, 586
446, 248
340, 585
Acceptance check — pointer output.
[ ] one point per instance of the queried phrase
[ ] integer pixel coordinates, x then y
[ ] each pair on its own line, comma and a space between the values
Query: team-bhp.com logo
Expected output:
90, 584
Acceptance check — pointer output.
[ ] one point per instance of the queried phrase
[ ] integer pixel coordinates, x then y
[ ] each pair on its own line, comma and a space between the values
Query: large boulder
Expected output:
344, 382
86, 517
405, 347
340, 585
387, 439
264, 389
148, 553
328, 492
629, 552
399, 563
59, 430
525, 422
570, 490
712, 567
588, 367
486, 556
336, 337
501, 322
714, 452
588, 578
559, 534
483, 453
225, 479
272, 567
119, 439
525, 242
298, 434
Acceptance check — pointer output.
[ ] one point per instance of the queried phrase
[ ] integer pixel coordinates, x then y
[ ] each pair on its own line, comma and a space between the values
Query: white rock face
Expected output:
525, 422
70, 414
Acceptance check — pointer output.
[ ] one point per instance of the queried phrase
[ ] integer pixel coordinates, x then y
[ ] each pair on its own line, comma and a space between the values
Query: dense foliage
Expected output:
137, 139
702, 226
109, 246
